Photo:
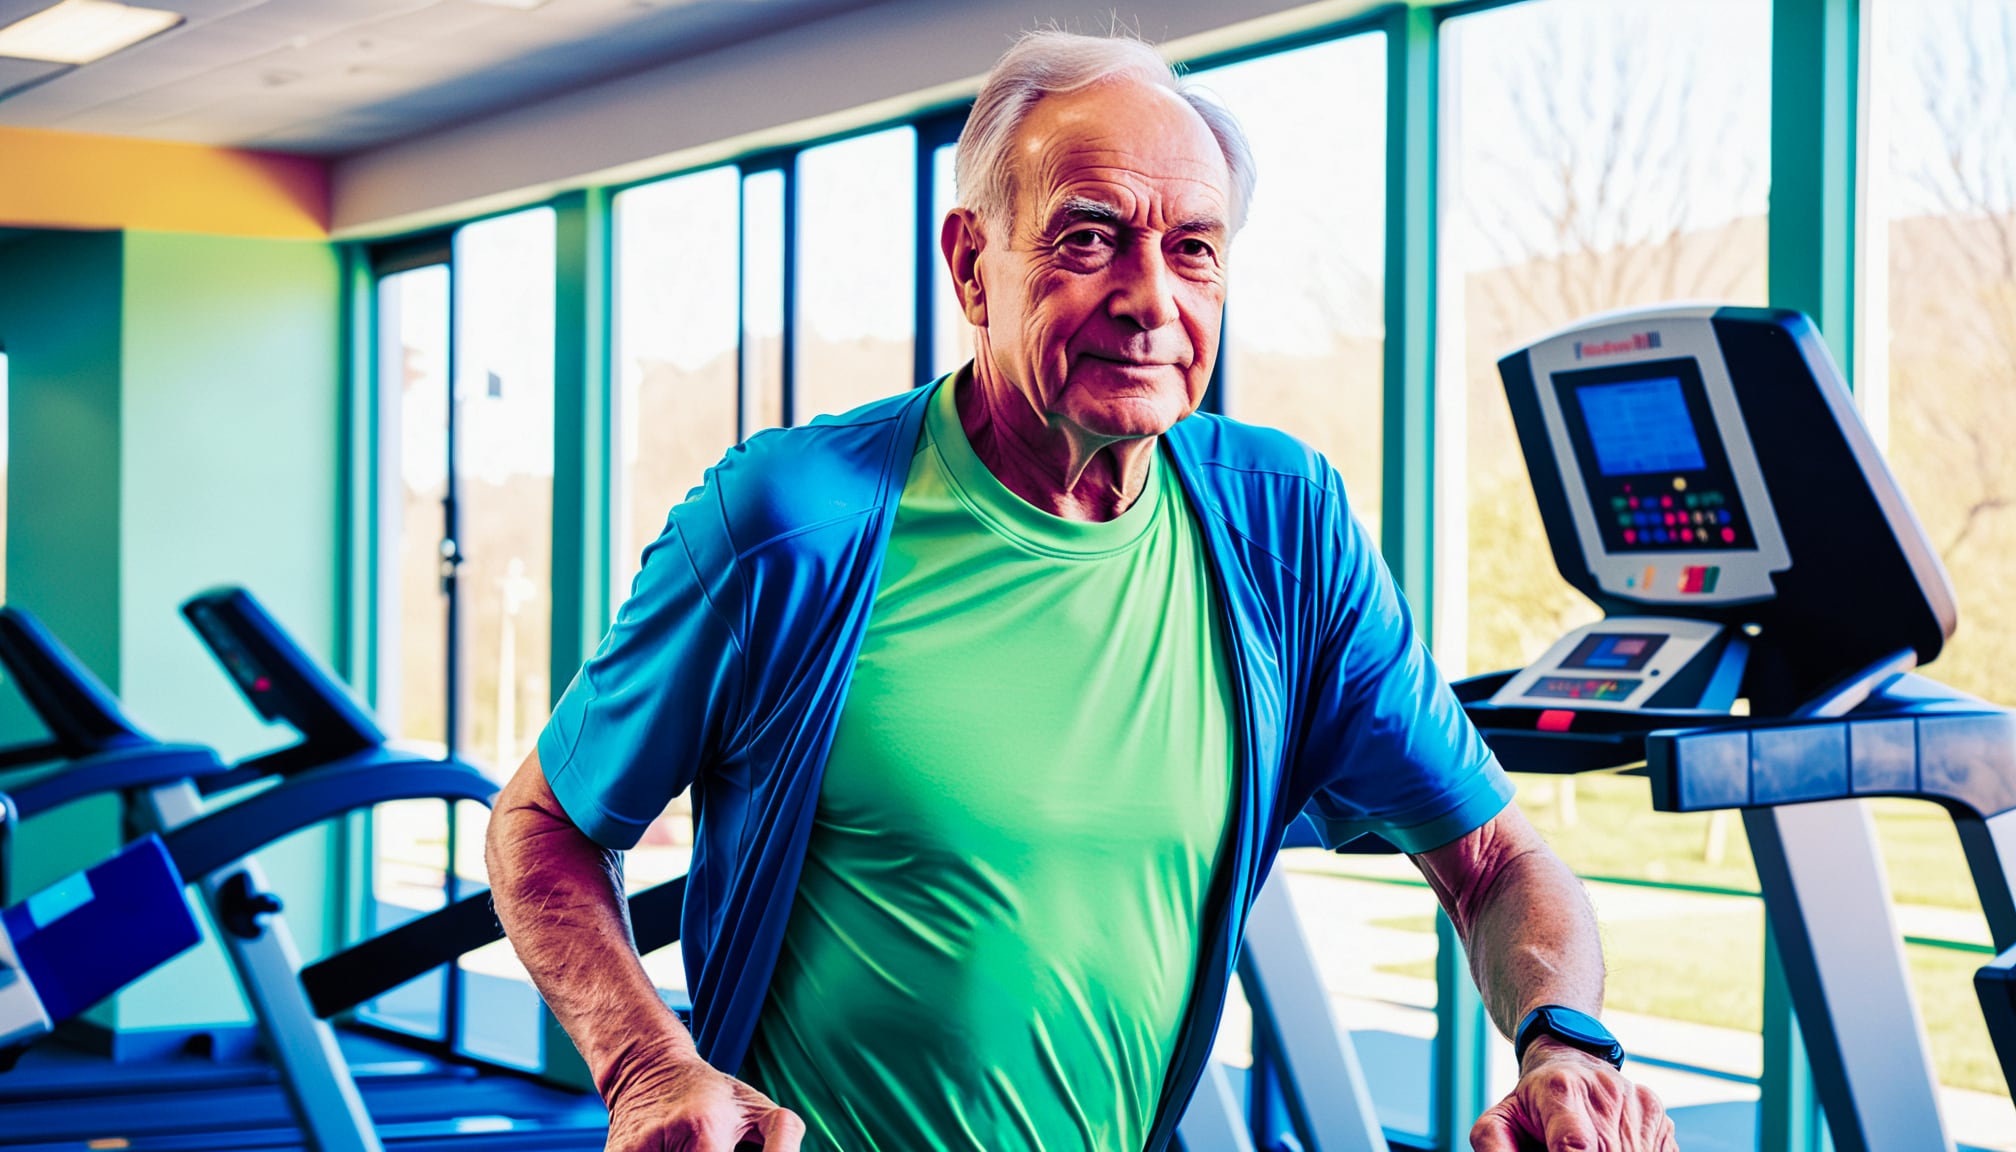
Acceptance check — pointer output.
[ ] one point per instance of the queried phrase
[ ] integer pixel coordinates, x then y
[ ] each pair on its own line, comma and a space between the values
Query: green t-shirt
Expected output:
995, 934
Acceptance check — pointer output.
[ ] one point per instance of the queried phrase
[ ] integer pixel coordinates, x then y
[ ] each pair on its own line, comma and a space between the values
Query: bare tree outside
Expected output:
1610, 156
1953, 311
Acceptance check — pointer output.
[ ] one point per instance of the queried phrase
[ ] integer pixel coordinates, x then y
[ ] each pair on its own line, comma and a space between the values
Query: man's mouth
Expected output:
1130, 362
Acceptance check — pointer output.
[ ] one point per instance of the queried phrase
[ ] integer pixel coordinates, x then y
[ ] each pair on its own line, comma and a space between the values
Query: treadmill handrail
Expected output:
1846, 694
223, 837
118, 770
1962, 758
376, 966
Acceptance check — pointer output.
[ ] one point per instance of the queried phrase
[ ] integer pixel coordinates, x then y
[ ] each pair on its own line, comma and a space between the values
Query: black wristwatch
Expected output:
1577, 1030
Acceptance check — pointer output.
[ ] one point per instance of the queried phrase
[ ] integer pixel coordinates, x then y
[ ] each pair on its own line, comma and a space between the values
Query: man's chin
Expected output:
1129, 418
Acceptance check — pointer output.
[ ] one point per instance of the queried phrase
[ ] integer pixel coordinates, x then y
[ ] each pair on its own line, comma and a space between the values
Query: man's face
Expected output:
1102, 301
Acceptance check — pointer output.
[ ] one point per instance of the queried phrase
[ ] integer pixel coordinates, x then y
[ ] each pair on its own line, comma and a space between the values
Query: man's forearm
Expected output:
559, 896
1523, 918
1533, 940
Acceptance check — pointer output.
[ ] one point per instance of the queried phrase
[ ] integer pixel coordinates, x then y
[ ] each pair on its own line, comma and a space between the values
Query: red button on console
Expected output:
1555, 720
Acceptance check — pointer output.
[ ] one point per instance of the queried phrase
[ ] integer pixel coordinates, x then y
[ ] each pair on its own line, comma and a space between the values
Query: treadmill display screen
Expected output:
1639, 427
1614, 651
1582, 688
1652, 460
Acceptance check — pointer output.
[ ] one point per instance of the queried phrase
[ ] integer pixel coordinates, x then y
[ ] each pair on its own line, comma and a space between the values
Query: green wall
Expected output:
173, 425
59, 324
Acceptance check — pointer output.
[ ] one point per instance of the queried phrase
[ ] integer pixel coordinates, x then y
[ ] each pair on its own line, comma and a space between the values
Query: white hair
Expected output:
1052, 62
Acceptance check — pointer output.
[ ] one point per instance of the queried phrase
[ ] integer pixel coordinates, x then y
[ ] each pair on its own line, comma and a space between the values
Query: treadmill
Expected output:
339, 765
1767, 591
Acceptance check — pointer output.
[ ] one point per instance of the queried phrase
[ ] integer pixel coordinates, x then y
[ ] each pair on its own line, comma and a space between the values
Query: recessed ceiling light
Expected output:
80, 31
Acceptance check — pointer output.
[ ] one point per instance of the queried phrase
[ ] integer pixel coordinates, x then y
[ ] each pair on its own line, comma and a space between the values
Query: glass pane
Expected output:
413, 373
762, 302
504, 480
1949, 77
1601, 156
676, 245
951, 336
1304, 327
857, 272
1952, 294
410, 839
504, 495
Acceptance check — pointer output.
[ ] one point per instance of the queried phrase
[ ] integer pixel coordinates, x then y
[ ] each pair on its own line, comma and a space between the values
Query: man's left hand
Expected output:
1570, 1101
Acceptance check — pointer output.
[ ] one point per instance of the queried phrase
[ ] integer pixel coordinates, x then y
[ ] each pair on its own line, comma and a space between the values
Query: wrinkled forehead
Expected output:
1139, 147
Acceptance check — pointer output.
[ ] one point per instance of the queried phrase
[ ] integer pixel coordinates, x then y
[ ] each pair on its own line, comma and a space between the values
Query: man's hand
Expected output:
687, 1106
1569, 1101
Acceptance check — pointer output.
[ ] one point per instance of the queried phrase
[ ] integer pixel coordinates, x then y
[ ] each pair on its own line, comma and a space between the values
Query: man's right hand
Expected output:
688, 1106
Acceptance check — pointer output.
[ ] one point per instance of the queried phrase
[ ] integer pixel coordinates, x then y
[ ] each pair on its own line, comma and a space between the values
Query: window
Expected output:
676, 341
857, 269
1949, 192
1305, 322
1600, 156
502, 435
410, 838
465, 522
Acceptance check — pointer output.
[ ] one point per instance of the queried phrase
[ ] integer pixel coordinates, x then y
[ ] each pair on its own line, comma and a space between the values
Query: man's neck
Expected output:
1057, 467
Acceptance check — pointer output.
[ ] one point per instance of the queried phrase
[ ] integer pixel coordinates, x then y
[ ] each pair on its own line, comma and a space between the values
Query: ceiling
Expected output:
327, 77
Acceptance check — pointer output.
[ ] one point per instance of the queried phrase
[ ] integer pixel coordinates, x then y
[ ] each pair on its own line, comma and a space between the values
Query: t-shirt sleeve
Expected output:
649, 708
1386, 741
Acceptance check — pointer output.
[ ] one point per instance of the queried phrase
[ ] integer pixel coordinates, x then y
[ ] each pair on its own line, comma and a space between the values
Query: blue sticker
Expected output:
59, 900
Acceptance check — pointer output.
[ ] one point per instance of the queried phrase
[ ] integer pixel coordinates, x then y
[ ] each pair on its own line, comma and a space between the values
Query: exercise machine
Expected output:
1704, 478
339, 764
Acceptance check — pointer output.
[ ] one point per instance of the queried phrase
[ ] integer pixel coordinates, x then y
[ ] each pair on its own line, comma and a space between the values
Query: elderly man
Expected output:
996, 698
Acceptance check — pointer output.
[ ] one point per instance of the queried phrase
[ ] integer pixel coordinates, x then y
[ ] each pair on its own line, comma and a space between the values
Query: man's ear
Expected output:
961, 239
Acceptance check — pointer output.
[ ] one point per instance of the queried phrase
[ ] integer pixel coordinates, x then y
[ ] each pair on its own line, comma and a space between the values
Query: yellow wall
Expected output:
68, 180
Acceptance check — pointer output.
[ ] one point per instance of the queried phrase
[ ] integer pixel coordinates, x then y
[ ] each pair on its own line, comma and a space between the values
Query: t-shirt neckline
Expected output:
997, 505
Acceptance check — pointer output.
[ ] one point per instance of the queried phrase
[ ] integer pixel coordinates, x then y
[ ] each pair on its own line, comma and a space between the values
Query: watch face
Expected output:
1571, 1025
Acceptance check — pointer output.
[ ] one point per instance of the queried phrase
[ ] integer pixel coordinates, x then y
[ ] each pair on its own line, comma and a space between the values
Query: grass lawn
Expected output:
1710, 970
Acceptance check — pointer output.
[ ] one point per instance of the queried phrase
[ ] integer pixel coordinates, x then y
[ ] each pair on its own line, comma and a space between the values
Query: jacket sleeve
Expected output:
1385, 745
648, 710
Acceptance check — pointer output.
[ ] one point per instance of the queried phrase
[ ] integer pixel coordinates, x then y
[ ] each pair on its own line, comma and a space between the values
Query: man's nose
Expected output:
1146, 291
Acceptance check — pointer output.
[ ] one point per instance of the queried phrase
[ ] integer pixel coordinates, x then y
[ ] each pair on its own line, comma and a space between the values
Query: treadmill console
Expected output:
280, 680
1667, 500
1621, 665
1708, 464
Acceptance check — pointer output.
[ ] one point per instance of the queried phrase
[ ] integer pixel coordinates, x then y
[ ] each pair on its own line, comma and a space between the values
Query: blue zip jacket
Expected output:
727, 668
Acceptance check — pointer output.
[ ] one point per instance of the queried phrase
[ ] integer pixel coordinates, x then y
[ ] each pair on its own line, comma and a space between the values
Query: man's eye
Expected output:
1084, 238
1194, 249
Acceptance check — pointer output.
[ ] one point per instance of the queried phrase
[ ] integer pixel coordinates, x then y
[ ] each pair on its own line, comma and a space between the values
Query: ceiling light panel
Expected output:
81, 31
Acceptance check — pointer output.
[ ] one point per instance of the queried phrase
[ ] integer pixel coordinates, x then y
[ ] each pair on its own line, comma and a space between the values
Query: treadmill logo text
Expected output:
1636, 342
